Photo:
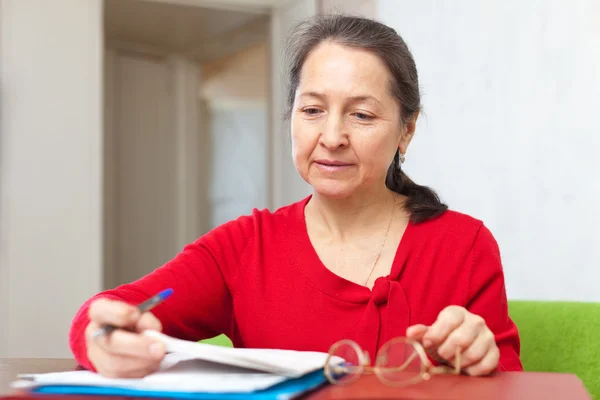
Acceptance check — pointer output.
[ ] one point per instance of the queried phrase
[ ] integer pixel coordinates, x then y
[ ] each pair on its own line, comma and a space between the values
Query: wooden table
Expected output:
504, 386
10, 367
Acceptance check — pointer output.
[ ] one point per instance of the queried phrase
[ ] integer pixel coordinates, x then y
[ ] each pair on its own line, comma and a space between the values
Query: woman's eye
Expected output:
363, 116
311, 111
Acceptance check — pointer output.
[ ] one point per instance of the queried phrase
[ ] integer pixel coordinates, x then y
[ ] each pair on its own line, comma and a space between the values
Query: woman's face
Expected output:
346, 126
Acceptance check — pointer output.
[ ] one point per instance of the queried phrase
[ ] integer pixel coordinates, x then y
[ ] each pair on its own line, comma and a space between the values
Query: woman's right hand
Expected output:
124, 353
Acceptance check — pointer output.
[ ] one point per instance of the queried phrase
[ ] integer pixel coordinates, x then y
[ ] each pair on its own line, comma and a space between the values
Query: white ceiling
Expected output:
169, 25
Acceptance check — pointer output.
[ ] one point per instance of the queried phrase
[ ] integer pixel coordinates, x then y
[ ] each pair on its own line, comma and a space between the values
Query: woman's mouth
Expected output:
332, 165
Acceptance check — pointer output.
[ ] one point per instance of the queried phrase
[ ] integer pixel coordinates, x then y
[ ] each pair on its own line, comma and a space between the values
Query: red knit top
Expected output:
259, 280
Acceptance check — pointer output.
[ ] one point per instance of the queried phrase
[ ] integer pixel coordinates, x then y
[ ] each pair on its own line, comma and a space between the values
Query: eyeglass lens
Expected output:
345, 363
398, 361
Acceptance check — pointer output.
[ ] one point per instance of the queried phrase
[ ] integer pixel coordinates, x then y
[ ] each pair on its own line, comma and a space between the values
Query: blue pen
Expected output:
143, 307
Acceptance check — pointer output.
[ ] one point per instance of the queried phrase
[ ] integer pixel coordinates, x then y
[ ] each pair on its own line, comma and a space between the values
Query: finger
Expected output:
416, 332
487, 365
112, 312
121, 366
459, 339
478, 349
148, 321
124, 343
448, 320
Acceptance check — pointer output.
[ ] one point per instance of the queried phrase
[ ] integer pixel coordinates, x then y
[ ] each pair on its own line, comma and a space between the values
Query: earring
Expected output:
401, 158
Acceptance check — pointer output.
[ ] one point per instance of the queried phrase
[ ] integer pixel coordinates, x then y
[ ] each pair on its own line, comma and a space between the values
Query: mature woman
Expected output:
369, 256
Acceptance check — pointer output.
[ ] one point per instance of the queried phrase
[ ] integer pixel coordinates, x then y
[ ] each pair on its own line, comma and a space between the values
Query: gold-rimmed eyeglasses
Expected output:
399, 362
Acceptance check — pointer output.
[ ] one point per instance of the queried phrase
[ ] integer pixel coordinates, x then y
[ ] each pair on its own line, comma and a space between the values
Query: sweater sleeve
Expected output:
487, 298
202, 277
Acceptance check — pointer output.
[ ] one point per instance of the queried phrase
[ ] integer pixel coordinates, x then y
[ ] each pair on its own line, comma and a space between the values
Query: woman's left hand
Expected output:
457, 328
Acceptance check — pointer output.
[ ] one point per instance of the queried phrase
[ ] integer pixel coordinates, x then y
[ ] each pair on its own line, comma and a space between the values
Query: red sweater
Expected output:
259, 281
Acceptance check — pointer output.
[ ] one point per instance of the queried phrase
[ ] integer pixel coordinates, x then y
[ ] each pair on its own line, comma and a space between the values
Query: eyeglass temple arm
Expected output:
447, 368
409, 360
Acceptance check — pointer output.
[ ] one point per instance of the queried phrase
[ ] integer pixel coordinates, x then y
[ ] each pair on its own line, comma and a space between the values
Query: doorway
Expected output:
186, 130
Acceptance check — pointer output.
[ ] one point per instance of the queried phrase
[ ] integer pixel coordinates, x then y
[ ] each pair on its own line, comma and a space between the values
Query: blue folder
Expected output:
282, 391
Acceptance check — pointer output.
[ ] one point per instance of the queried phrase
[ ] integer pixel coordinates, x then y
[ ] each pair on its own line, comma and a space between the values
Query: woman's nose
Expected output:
334, 134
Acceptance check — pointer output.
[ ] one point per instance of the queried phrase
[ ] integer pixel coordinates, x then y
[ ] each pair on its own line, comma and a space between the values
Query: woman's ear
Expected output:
408, 131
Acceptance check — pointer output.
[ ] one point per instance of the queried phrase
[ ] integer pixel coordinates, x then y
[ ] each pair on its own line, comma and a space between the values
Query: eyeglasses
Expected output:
399, 362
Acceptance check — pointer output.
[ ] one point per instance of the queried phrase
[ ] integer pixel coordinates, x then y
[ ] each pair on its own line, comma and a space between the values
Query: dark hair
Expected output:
423, 203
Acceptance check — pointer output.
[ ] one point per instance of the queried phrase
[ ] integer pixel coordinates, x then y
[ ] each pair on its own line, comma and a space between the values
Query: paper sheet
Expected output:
195, 367
181, 374
283, 362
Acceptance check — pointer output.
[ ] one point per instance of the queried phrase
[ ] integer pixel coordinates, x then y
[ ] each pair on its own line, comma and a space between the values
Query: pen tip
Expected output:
165, 293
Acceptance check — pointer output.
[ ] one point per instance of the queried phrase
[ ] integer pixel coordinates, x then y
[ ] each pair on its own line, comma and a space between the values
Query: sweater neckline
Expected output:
329, 282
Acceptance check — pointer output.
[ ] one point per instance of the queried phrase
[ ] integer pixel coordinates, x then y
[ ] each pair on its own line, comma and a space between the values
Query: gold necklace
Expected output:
384, 240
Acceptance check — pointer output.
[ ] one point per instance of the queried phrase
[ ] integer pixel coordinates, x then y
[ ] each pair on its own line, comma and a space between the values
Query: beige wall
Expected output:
50, 170
366, 8
238, 79
152, 164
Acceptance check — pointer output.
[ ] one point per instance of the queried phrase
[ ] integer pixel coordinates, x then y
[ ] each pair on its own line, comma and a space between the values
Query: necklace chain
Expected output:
383, 243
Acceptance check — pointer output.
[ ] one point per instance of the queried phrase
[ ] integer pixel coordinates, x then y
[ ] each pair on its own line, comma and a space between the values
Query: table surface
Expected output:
10, 367
509, 385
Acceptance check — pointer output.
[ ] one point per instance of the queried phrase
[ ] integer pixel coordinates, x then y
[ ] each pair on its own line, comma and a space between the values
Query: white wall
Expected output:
50, 170
512, 135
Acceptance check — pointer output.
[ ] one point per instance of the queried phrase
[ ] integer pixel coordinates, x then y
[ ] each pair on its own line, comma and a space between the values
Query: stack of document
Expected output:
193, 370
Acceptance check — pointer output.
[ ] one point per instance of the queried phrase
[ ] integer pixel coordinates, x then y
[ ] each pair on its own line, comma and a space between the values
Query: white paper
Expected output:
197, 367
181, 375
282, 362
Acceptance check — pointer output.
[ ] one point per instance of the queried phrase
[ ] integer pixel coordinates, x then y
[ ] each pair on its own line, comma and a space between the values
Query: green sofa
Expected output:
555, 337
560, 337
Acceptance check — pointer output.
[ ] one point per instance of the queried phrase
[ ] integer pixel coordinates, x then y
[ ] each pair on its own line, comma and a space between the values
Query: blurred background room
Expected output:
128, 128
